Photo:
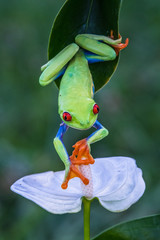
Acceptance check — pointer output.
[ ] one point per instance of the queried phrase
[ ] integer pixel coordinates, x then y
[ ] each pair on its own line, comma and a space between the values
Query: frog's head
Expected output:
80, 114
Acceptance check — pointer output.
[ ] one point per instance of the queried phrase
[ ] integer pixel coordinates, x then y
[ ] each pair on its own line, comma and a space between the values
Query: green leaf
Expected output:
86, 16
147, 228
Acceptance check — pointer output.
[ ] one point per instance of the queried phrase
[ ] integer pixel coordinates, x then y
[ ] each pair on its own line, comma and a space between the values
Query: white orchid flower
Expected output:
116, 181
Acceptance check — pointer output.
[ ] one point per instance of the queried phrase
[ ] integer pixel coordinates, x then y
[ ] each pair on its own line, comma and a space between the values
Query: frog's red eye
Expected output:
95, 109
67, 116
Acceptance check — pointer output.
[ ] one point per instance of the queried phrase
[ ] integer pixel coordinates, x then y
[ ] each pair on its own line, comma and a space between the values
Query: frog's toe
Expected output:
80, 156
81, 153
74, 172
120, 46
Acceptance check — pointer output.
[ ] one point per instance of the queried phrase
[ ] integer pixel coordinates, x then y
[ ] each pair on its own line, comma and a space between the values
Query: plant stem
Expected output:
86, 218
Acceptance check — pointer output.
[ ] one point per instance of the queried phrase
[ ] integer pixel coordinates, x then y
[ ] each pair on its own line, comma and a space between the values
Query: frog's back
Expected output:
77, 80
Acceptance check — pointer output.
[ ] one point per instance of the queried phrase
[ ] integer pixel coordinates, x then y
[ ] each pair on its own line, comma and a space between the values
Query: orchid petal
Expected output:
127, 186
116, 181
45, 190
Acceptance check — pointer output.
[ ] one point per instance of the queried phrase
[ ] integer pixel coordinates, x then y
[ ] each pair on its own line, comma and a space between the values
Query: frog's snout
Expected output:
84, 123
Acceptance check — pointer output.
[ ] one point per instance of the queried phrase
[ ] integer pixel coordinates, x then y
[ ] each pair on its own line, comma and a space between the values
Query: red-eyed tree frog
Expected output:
77, 108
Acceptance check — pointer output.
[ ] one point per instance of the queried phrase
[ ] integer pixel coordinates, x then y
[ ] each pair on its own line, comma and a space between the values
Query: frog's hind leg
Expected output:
79, 156
100, 48
95, 48
57, 65
93, 58
118, 46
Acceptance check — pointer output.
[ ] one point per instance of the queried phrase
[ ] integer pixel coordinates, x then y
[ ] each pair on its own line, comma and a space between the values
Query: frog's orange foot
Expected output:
81, 154
112, 35
118, 47
74, 172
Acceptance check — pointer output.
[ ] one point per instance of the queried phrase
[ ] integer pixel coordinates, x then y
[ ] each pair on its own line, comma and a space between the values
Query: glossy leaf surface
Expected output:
86, 16
147, 228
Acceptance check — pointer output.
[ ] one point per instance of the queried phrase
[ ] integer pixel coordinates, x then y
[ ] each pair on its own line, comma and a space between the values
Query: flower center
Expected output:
87, 190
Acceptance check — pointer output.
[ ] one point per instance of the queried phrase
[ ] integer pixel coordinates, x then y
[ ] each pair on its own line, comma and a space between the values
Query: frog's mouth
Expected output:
82, 125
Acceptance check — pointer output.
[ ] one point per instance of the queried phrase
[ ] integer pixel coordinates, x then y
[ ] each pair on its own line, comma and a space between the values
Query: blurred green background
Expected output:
130, 109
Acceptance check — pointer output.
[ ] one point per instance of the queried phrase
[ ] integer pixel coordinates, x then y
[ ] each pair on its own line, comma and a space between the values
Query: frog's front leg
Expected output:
60, 148
99, 47
71, 170
81, 154
57, 65
97, 135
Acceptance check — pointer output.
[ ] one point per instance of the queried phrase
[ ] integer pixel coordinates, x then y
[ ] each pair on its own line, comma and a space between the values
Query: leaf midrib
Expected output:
89, 13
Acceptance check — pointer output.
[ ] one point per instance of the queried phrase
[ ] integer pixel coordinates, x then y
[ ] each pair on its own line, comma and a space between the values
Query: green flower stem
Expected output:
86, 218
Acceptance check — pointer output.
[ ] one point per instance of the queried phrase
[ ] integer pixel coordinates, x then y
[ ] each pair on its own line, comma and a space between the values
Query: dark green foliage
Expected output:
86, 16
141, 229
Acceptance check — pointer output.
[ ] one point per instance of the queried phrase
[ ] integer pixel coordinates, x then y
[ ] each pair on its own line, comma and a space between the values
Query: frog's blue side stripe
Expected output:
91, 57
61, 72
93, 88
